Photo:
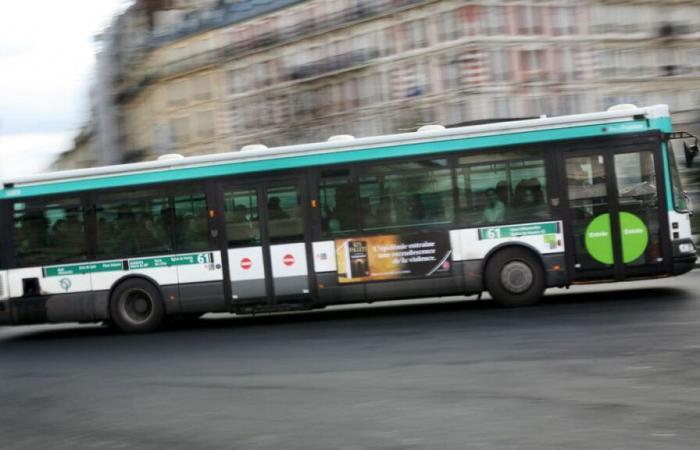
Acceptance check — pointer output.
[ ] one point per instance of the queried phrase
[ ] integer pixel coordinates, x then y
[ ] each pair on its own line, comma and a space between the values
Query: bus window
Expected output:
338, 203
191, 223
242, 221
49, 232
502, 187
407, 194
133, 224
284, 219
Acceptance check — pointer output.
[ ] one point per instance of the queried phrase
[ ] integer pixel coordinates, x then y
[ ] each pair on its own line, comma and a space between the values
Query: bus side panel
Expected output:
42, 296
202, 286
4, 262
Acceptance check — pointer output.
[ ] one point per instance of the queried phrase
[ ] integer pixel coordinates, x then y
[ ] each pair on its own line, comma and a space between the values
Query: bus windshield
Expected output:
680, 202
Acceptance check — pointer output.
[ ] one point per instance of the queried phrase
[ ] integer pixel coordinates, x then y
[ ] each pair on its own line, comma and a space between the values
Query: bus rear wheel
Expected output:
514, 277
136, 307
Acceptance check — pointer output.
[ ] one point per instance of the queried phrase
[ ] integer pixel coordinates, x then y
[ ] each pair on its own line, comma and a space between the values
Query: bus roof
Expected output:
627, 119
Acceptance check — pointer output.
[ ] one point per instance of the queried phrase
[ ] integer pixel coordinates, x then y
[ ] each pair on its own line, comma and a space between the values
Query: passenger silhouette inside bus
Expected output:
495, 210
274, 210
528, 201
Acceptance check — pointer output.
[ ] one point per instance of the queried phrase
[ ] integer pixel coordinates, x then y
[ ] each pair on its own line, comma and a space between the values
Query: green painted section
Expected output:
132, 264
531, 229
667, 178
635, 237
598, 239
338, 157
82, 269
169, 261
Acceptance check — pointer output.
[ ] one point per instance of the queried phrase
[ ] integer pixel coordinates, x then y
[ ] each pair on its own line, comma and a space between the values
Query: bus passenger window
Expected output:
133, 224
191, 223
242, 222
338, 205
284, 219
46, 232
407, 194
502, 187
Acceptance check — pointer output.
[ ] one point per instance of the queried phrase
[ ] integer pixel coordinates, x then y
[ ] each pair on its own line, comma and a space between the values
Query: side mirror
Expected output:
691, 151
688, 203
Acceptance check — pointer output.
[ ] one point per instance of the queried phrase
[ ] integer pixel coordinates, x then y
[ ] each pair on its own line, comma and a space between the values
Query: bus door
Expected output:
613, 217
265, 235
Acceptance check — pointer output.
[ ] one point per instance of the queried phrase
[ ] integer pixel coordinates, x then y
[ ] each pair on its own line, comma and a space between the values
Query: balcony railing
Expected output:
361, 10
332, 63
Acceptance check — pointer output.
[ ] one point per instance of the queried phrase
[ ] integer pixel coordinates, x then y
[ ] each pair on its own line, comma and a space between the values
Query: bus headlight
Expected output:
686, 248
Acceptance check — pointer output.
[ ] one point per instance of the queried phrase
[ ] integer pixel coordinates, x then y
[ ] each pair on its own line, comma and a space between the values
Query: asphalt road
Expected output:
604, 367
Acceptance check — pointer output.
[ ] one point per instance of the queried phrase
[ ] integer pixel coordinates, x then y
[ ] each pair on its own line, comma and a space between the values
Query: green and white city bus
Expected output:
511, 208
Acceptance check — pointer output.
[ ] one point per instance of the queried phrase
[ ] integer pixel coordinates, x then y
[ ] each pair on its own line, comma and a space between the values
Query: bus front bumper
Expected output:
5, 318
684, 256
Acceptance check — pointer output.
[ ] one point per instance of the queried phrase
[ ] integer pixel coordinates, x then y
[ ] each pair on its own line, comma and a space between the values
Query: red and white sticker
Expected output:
246, 263
288, 260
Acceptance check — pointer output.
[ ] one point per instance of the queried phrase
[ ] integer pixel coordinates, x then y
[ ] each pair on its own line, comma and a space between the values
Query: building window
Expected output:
563, 20
205, 124
177, 93
529, 19
202, 87
494, 19
500, 65
181, 129
448, 26
533, 65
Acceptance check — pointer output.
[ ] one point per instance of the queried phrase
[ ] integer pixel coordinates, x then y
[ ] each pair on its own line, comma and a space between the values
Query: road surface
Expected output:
596, 367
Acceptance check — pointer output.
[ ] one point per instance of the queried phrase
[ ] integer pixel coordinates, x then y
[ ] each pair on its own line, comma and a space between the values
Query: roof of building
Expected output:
223, 15
629, 120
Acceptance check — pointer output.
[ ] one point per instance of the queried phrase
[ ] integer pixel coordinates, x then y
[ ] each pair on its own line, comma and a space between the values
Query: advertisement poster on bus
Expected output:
393, 256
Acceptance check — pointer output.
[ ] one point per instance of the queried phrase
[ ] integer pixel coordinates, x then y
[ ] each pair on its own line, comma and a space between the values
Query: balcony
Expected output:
332, 64
188, 63
359, 11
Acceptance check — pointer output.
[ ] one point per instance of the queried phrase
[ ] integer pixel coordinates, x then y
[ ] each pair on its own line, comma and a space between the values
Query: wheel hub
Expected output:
517, 277
137, 305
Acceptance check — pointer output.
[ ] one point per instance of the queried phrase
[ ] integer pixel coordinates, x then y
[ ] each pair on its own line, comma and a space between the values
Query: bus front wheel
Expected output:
136, 306
514, 277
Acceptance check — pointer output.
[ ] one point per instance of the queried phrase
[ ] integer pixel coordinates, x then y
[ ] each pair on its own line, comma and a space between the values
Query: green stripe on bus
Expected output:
169, 261
530, 229
667, 177
132, 264
82, 269
319, 159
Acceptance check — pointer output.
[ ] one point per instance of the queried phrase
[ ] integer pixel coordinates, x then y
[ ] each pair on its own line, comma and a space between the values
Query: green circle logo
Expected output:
633, 232
598, 240
635, 236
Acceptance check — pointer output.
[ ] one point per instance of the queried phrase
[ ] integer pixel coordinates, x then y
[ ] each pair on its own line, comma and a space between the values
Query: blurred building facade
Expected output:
205, 76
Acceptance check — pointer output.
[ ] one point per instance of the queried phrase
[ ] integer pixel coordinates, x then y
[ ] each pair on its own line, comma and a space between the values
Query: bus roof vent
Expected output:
170, 157
341, 138
253, 147
622, 107
428, 128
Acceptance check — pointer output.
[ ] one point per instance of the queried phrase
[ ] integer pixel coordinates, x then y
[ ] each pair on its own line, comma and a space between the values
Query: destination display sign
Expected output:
130, 264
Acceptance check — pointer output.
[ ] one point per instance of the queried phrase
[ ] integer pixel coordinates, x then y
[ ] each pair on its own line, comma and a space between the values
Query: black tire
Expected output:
136, 306
514, 277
